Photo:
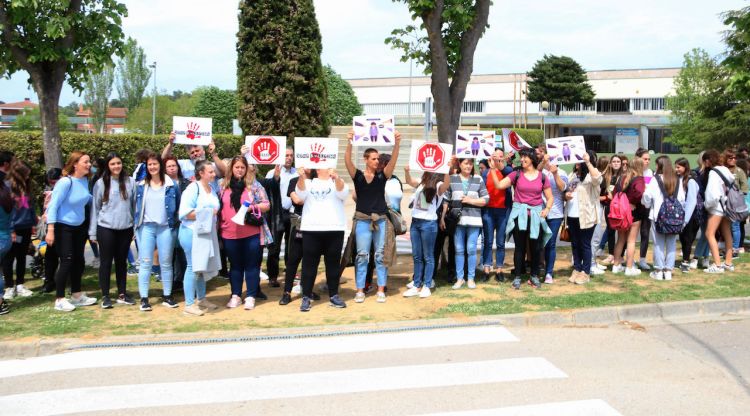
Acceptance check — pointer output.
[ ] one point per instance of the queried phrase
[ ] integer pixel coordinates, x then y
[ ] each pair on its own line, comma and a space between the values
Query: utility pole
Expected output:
153, 106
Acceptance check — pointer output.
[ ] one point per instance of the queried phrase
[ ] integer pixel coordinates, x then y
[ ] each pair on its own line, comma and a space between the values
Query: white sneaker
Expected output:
381, 297
10, 293
618, 268
632, 271
667, 275
705, 263
694, 263
410, 285
359, 297
432, 284
22, 291
95, 263
413, 291
471, 284
249, 303
64, 305
458, 284
263, 276
643, 265
82, 300
596, 271
297, 289
728, 267
425, 292
656, 275
599, 266
714, 269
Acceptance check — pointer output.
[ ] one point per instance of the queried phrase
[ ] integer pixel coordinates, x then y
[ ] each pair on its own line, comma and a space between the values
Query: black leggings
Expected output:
645, 235
17, 253
611, 233
317, 243
69, 243
521, 239
687, 236
113, 246
292, 260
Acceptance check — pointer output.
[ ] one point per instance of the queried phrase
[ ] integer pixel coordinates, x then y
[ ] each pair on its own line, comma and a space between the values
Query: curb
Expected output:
595, 317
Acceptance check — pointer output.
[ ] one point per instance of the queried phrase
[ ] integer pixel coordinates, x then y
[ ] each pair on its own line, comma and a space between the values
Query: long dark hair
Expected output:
669, 177
19, 177
107, 178
686, 177
161, 168
429, 185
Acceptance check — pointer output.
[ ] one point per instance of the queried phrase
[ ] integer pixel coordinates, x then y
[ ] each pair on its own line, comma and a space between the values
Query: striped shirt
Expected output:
474, 187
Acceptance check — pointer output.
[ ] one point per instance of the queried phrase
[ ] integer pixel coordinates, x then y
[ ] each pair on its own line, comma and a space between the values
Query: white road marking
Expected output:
147, 356
572, 408
278, 386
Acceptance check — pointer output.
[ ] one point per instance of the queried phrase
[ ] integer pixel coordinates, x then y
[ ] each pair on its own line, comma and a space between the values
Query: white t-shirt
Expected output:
558, 197
423, 209
393, 193
323, 208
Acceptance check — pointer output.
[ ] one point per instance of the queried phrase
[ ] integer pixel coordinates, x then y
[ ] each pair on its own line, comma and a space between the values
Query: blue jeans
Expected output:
550, 250
365, 239
245, 256
466, 242
151, 236
580, 241
423, 235
5, 245
494, 220
193, 288
736, 235
701, 248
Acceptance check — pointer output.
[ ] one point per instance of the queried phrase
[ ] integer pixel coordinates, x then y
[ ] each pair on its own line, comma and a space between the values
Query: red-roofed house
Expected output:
9, 112
115, 122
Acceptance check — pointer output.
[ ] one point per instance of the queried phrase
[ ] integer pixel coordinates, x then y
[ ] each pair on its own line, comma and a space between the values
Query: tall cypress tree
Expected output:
280, 80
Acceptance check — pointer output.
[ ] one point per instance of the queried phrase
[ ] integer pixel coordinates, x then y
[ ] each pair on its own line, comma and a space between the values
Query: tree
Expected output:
57, 39
342, 102
132, 75
220, 105
559, 80
70, 110
97, 90
280, 80
30, 120
737, 59
453, 29
139, 120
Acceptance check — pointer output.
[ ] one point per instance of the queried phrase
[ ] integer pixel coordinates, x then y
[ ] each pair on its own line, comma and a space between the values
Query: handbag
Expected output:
398, 221
254, 216
564, 232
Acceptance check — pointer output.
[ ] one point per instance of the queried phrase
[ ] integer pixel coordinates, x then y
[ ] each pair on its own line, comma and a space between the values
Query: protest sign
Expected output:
475, 144
513, 142
266, 150
566, 150
430, 156
374, 130
192, 130
316, 152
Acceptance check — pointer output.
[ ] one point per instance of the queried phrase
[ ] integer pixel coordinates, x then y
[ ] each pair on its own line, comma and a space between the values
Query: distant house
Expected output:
10, 111
115, 122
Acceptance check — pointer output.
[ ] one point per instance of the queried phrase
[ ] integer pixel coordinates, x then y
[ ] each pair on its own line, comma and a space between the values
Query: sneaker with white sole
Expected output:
234, 302
381, 297
667, 275
64, 305
694, 264
728, 267
685, 267
618, 268
410, 285
643, 265
458, 284
656, 275
548, 280
296, 289
263, 276
599, 266
714, 269
359, 297
595, 271
411, 292
706, 263
82, 300
632, 271
193, 310
23, 292
10, 293
249, 303
425, 292
471, 284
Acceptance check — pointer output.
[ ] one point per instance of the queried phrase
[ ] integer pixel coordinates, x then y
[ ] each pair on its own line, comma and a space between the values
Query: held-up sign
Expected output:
513, 141
192, 130
265, 150
475, 144
374, 130
430, 156
566, 150
316, 152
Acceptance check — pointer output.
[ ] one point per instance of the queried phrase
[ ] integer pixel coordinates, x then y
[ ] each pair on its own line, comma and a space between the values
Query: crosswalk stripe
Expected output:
571, 408
279, 386
255, 350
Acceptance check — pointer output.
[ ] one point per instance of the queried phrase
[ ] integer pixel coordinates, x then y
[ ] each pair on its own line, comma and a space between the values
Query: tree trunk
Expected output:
48, 87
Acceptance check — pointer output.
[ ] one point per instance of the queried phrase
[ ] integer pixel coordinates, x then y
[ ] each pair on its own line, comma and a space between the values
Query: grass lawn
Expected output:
35, 317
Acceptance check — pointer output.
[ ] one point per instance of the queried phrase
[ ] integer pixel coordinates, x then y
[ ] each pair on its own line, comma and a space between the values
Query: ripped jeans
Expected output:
366, 238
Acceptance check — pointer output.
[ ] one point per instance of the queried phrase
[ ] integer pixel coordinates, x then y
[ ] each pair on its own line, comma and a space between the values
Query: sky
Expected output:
194, 44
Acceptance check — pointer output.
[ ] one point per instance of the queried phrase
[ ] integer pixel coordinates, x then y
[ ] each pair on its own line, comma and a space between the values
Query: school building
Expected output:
628, 111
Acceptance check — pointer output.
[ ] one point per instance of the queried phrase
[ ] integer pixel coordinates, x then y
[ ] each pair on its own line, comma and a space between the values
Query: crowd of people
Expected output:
193, 219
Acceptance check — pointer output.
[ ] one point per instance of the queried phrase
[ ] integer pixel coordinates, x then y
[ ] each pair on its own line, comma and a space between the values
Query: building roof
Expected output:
20, 105
112, 112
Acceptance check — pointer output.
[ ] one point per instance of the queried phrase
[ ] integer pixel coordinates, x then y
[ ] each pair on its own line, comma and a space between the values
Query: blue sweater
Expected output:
68, 203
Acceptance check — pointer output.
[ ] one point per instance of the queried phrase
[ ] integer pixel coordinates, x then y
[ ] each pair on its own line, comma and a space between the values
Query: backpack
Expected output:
735, 208
620, 216
671, 216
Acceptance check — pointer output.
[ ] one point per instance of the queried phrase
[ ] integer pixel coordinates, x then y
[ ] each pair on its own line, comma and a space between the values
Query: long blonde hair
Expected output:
70, 165
230, 166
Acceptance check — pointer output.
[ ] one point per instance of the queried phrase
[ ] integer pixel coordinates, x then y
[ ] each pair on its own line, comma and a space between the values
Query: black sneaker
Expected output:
306, 304
517, 283
285, 299
125, 299
735, 254
106, 302
336, 302
315, 296
685, 267
261, 296
4, 308
145, 306
274, 282
484, 277
168, 301
500, 277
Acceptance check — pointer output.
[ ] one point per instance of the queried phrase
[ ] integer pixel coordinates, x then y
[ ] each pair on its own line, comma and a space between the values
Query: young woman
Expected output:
740, 179
198, 208
715, 197
294, 259
600, 230
242, 242
424, 226
323, 225
584, 213
22, 221
645, 231
558, 180
111, 226
66, 229
689, 189
527, 219
51, 259
665, 245
743, 165
467, 191
633, 185
616, 168
156, 199
179, 263
6, 210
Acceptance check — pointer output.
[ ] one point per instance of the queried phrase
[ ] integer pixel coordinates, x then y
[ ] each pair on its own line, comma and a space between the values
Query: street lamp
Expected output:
153, 106
545, 107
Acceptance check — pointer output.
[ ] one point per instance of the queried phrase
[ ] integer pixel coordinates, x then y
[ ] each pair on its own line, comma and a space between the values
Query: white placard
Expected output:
475, 144
192, 130
316, 152
266, 150
566, 150
430, 156
513, 142
374, 130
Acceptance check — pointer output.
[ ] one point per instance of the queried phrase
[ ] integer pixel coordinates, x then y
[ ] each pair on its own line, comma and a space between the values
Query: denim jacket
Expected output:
533, 220
171, 202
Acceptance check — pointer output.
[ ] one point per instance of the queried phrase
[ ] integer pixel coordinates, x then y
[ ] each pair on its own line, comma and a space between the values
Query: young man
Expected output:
288, 172
371, 213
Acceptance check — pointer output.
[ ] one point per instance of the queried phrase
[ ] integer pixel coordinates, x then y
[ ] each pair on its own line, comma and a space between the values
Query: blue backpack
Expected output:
671, 215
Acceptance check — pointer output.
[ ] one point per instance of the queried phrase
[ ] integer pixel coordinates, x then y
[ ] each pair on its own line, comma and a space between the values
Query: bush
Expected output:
533, 136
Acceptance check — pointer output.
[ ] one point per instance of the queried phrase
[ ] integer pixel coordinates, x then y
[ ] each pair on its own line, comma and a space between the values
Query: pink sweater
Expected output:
232, 231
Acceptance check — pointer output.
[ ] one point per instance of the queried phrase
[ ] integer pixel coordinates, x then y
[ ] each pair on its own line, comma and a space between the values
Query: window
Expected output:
612, 106
648, 104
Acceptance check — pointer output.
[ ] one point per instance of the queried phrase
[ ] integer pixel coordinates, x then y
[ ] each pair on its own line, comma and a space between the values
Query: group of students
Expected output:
188, 214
